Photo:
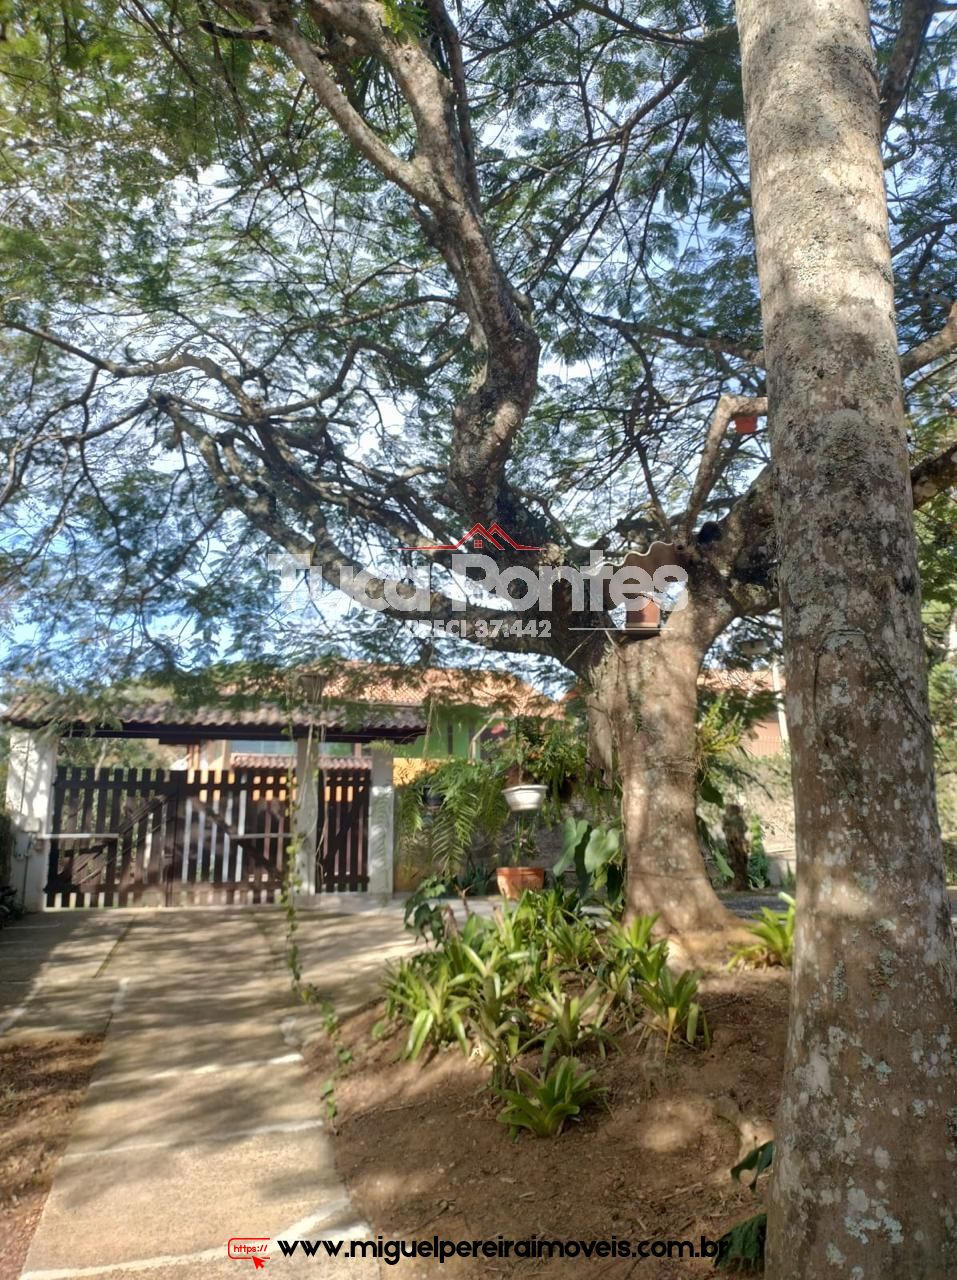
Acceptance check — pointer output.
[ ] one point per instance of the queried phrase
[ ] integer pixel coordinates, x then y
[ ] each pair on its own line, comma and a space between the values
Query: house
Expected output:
462, 708
303, 765
768, 735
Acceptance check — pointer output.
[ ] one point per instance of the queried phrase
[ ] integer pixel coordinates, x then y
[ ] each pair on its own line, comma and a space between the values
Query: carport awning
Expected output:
171, 722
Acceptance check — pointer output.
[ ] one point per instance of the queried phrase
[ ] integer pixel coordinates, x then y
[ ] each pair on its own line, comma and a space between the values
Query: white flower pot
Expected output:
525, 798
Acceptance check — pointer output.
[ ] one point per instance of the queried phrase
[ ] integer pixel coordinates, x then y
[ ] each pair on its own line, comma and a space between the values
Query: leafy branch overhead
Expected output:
284, 274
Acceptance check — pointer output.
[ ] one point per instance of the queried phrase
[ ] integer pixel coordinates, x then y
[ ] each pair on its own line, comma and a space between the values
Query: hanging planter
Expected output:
431, 799
526, 797
745, 424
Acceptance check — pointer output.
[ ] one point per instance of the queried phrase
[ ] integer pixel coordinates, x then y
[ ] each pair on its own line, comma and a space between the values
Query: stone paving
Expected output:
201, 1122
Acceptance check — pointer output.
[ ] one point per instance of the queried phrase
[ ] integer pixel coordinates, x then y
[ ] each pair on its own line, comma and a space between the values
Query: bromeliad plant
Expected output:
542, 1103
572, 1023
674, 1009
774, 932
435, 1007
542, 977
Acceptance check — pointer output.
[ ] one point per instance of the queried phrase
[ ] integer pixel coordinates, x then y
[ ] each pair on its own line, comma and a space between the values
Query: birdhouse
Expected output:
643, 619
745, 424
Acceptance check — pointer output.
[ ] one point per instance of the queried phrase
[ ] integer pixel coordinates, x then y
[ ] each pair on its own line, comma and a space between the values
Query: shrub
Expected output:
759, 868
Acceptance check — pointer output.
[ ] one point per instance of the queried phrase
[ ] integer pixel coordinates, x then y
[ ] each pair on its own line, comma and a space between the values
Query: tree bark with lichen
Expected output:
865, 1167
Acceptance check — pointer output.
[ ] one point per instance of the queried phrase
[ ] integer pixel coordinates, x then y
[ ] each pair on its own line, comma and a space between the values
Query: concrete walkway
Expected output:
201, 1122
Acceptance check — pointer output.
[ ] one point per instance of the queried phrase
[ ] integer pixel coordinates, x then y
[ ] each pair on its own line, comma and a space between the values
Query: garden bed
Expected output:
422, 1152
42, 1082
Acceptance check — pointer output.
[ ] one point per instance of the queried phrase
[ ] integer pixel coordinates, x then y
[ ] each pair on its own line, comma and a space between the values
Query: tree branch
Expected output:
941, 344
916, 16
934, 474
708, 467
631, 329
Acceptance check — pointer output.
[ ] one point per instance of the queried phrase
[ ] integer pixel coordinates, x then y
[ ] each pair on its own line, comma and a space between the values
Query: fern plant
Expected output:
471, 804
541, 1104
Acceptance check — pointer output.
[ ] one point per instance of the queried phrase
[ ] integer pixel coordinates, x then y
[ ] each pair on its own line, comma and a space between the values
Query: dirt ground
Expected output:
41, 1083
423, 1154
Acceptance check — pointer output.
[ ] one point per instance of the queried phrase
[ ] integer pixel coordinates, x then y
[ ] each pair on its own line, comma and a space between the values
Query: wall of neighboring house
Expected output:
764, 738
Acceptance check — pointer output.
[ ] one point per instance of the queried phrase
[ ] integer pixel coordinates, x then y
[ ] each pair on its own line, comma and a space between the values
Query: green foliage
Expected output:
406, 19
178, 183
543, 977
759, 869
420, 914
434, 1006
775, 938
630, 947
571, 1023
757, 1162
742, 1248
722, 724
500, 1027
570, 943
674, 1009
597, 856
522, 849
550, 753
476, 880
942, 692
542, 1103
471, 804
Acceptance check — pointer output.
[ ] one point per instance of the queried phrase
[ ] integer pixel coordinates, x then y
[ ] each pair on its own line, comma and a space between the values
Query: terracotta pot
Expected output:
745, 424
526, 798
513, 881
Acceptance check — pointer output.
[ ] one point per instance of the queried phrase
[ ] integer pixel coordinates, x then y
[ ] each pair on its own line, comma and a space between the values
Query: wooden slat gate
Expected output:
181, 838
177, 838
342, 861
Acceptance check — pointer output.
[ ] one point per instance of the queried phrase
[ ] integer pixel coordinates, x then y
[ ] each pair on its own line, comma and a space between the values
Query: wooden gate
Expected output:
342, 860
156, 838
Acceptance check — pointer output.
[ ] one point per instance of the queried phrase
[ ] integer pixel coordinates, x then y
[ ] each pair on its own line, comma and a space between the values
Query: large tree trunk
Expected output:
865, 1168
643, 706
